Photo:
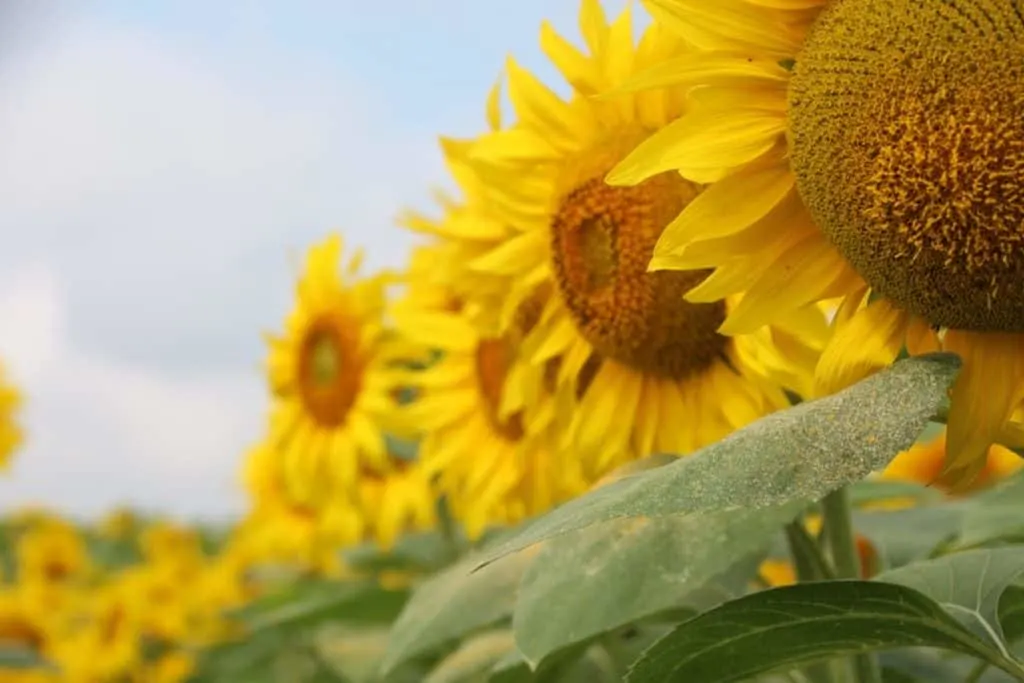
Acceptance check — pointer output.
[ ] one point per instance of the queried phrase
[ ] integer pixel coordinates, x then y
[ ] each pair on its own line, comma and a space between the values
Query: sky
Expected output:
163, 166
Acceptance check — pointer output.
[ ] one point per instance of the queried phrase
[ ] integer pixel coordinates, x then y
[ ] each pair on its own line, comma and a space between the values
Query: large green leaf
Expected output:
422, 552
787, 627
995, 515
800, 454
454, 603
475, 658
877, 491
969, 585
903, 536
620, 570
311, 602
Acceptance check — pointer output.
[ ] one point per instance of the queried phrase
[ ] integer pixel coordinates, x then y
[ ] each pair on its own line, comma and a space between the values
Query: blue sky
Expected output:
162, 166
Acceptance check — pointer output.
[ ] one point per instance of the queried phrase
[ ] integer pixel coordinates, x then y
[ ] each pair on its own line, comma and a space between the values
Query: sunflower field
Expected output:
711, 371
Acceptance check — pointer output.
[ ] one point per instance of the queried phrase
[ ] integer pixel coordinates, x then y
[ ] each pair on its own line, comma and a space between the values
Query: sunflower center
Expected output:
603, 237
908, 147
493, 359
329, 371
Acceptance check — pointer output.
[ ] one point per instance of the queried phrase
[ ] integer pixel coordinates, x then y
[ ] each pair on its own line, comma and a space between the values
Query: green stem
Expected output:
810, 565
846, 561
808, 560
976, 673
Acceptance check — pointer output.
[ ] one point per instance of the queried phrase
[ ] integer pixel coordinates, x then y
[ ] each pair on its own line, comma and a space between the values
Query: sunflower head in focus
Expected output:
329, 374
10, 433
636, 369
870, 151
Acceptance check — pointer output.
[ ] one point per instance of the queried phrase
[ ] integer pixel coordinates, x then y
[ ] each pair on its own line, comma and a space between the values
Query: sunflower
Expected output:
469, 227
922, 463
402, 500
865, 150
483, 426
638, 369
279, 529
10, 433
329, 374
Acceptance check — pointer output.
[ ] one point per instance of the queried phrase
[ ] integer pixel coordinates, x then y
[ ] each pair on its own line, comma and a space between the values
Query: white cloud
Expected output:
154, 193
30, 320
103, 433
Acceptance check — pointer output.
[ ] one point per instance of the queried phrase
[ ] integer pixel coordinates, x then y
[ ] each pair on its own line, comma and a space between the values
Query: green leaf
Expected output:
994, 516
310, 602
15, 657
621, 570
864, 492
918, 665
354, 653
787, 627
420, 552
903, 536
453, 603
800, 454
1011, 613
968, 585
475, 658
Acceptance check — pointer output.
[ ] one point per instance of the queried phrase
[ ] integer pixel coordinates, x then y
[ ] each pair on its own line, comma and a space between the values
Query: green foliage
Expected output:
653, 578
782, 628
776, 465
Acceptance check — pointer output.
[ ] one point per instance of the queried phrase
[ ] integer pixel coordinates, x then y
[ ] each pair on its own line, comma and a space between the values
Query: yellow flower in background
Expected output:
868, 150
51, 551
483, 430
19, 626
469, 227
10, 433
329, 373
278, 529
639, 370
169, 544
173, 667
119, 524
101, 641
400, 501
923, 462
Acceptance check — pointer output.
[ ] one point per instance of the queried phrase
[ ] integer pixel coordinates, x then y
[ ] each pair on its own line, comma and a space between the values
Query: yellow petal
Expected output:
728, 206
435, 329
593, 26
580, 72
514, 255
990, 386
728, 69
702, 146
538, 107
799, 277
868, 342
494, 106
736, 21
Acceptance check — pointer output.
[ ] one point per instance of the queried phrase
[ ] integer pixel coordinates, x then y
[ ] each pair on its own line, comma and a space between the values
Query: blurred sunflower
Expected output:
922, 463
329, 373
483, 428
279, 529
866, 150
52, 552
400, 501
639, 370
100, 641
10, 433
